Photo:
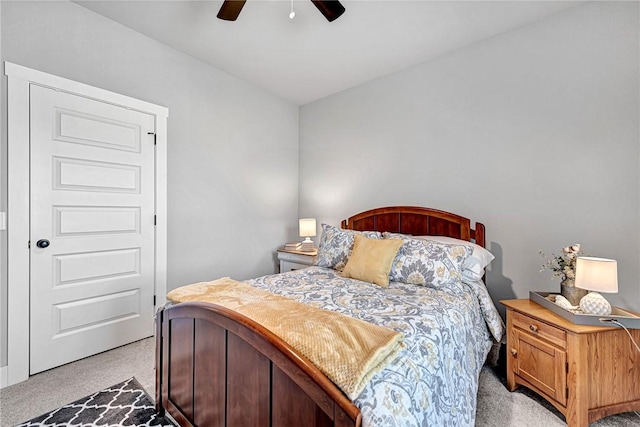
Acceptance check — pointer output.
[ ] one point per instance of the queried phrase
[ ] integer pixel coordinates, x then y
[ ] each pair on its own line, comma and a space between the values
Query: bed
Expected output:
217, 367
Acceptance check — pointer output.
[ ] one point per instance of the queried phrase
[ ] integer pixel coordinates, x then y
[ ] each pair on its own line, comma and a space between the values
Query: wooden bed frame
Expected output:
216, 367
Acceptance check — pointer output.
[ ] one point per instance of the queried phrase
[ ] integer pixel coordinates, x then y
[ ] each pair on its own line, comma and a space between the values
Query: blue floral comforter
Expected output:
448, 334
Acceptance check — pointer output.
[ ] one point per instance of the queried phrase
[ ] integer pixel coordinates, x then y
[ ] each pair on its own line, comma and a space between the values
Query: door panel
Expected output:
94, 312
90, 266
85, 175
92, 197
79, 128
96, 220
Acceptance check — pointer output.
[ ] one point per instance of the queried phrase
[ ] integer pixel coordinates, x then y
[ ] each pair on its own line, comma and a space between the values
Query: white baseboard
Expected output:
3, 376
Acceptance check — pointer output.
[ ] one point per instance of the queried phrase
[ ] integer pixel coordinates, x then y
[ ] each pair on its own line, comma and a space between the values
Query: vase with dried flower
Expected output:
564, 266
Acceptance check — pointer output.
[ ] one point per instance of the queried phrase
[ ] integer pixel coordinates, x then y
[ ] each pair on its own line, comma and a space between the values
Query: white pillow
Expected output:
473, 267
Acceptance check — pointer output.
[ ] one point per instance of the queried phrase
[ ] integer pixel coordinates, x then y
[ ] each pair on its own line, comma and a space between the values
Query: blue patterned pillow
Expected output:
426, 262
336, 245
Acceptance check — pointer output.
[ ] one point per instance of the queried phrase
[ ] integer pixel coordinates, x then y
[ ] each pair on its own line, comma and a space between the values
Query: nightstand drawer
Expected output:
297, 258
294, 260
540, 329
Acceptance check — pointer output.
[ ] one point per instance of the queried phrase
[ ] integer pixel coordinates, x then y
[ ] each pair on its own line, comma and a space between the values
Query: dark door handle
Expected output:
42, 243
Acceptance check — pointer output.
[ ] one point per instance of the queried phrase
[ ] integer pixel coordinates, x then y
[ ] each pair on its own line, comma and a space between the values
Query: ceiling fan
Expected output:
331, 9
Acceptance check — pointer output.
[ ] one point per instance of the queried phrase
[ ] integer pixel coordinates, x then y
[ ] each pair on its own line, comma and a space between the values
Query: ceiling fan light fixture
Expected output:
331, 9
292, 14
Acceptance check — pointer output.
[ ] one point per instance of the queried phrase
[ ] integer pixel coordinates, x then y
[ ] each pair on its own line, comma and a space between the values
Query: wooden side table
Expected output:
586, 372
294, 260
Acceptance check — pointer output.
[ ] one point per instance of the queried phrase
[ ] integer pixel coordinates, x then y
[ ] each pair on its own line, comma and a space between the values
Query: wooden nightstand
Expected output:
586, 372
294, 260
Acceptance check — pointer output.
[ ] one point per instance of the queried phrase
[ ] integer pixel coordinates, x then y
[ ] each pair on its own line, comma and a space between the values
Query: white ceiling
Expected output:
308, 58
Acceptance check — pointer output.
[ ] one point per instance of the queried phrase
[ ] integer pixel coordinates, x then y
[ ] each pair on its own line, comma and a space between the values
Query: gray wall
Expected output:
533, 132
233, 148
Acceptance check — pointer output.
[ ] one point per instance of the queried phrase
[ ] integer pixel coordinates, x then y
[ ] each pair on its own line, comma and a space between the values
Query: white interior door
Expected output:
91, 227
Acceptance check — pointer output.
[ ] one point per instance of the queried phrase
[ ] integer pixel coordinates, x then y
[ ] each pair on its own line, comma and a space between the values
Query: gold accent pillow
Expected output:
371, 260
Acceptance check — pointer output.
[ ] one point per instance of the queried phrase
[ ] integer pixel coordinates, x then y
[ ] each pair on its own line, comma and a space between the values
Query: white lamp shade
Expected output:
307, 227
597, 274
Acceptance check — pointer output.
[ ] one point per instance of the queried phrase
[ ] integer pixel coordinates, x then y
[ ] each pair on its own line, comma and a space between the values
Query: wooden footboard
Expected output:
215, 367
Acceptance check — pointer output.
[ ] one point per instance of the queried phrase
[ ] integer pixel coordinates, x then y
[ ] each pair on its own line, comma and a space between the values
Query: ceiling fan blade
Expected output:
231, 9
331, 9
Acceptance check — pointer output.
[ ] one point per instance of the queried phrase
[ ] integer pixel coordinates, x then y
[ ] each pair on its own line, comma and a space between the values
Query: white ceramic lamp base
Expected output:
594, 303
307, 245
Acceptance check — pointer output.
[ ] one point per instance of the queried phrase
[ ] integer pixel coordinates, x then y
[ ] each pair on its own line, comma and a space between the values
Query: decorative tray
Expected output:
626, 318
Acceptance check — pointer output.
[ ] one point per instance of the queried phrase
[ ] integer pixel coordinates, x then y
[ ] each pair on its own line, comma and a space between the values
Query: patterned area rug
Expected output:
124, 404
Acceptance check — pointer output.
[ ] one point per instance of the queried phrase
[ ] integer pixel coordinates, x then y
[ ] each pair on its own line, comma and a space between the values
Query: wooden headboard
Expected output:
416, 221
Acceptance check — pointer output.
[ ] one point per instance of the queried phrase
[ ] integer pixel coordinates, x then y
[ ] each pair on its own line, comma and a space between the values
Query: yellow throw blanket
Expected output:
347, 350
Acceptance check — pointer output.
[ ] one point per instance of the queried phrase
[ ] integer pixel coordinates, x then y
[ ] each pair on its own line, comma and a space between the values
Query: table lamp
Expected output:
596, 275
307, 229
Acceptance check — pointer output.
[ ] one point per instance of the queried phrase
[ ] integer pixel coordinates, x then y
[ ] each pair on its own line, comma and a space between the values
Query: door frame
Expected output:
19, 79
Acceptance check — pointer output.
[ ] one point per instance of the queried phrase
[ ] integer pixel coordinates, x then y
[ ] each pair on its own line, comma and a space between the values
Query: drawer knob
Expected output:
514, 352
533, 328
